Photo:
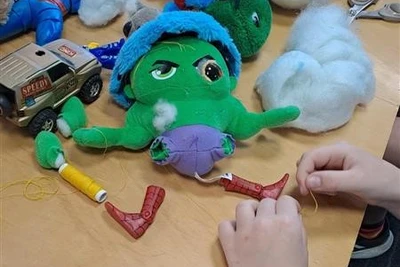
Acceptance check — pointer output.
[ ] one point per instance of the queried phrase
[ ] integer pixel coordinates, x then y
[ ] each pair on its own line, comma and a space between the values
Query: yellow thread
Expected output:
35, 183
165, 167
315, 202
105, 140
125, 182
104, 154
41, 191
82, 182
125, 179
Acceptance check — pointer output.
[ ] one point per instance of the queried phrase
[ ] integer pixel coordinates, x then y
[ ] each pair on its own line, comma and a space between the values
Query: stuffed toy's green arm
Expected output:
133, 135
245, 124
102, 137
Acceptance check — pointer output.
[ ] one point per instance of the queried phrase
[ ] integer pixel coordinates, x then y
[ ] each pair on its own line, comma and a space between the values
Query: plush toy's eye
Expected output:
163, 72
256, 19
209, 69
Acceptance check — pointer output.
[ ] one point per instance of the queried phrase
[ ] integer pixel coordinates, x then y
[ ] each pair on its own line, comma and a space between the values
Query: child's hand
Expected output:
269, 233
345, 168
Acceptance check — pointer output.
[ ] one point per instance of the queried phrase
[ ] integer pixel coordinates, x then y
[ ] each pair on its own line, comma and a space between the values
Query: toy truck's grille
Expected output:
20, 113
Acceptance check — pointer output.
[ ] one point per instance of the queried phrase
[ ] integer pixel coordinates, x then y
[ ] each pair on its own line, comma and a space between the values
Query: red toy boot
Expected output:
240, 185
136, 224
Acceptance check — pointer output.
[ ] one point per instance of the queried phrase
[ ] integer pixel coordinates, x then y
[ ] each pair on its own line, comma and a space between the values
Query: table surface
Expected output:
71, 230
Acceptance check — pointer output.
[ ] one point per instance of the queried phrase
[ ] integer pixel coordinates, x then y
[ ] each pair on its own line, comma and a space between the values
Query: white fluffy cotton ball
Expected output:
324, 71
292, 4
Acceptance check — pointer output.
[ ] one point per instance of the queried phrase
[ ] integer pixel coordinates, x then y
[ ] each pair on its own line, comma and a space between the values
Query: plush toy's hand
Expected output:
279, 116
246, 124
91, 137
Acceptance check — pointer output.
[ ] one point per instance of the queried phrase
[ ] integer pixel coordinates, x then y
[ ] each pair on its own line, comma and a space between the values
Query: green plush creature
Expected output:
178, 92
247, 21
48, 150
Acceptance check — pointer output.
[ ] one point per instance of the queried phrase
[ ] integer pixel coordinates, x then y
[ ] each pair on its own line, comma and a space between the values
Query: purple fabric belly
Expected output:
191, 149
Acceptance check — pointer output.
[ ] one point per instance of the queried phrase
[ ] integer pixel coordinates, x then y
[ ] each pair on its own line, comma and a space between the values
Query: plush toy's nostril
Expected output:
127, 28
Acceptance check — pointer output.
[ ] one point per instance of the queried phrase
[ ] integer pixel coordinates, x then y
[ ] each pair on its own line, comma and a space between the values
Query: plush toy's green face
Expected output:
248, 22
180, 69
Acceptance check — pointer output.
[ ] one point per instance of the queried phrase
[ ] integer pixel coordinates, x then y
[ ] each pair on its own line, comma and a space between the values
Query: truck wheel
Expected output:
91, 89
45, 120
5, 106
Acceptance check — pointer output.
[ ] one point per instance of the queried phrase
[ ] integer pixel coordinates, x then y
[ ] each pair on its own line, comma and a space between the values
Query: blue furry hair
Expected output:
199, 24
199, 3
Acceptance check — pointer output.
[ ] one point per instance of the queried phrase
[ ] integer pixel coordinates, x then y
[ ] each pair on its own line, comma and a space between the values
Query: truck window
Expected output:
10, 94
58, 71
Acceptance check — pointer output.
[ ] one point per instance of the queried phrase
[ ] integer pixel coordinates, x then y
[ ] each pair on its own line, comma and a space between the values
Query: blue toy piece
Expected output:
190, 4
107, 54
44, 16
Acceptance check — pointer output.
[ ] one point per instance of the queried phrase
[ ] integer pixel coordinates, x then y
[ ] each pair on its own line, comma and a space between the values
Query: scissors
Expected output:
390, 12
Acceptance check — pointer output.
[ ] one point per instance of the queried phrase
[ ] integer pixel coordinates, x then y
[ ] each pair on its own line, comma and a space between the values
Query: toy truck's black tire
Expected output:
45, 120
5, 106
91, 89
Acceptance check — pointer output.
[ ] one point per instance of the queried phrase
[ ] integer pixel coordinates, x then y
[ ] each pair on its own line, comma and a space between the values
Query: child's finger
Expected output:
287, 205
226, 233
245, 214
226, 228
266, 208
331, 181
327, 158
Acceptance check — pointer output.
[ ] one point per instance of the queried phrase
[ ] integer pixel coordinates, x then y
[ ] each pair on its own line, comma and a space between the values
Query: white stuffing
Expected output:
100, 12
63, 127
292, 4
324, 71
131, 7
165, 115
60, 160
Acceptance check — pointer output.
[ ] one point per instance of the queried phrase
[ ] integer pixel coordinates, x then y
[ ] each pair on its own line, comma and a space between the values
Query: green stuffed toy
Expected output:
247, 21
48, 150
175, 75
